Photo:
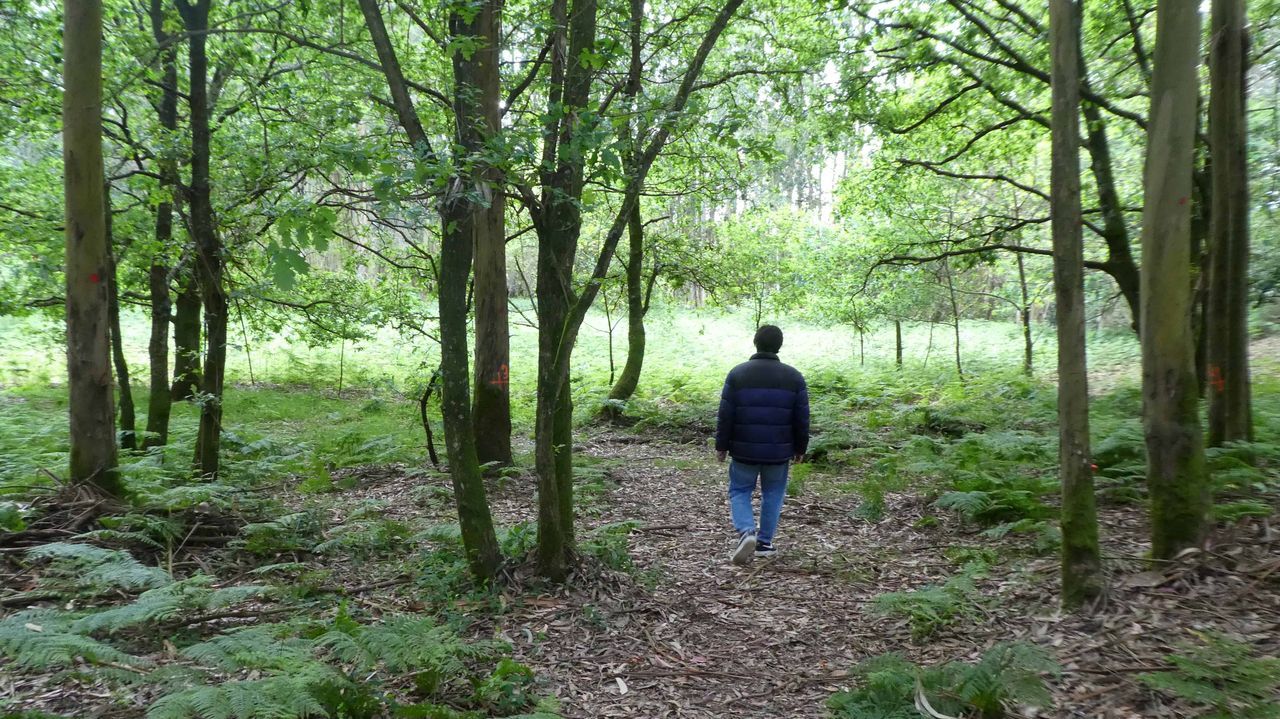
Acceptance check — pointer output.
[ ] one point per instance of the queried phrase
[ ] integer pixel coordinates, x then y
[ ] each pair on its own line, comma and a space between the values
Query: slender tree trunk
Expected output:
1175, 452
208, 258
1025, 310
91, 407
1081, 560
558, 222
160, 399
342, 361
186, 337
458, 215
955, 318
862, 347
1201, 210
1230, 410
929, 350
636, 309
1115, 233
897, 342
493, 346
128, 427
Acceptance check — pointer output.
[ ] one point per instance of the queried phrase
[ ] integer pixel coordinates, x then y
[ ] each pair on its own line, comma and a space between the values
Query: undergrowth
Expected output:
1007, 676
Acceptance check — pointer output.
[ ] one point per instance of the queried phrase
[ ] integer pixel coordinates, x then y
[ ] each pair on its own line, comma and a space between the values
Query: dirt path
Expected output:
687, 634
710, 639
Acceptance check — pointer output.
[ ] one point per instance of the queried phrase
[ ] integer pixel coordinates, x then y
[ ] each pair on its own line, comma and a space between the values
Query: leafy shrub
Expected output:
1007, 675
1223, 677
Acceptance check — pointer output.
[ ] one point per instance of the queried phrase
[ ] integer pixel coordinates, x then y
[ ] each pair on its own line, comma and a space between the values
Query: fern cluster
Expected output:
1224, 677
86, 570
934, 607
1007, 675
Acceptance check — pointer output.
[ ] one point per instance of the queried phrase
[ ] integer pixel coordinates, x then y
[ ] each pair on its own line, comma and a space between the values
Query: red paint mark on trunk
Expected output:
93, 277
1216, 380
503, 379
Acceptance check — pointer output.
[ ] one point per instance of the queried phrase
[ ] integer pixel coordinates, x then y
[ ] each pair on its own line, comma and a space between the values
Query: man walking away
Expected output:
763, 424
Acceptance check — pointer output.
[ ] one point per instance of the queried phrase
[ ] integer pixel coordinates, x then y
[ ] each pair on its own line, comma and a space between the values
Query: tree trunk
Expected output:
636, 309
955, 318
208, 257
128, 427
1081, 561
458, 216
160, 399
186, 338
1230, 411
493, 346
897, 342
91, 404
1175, 452
1025, 310
1115, 232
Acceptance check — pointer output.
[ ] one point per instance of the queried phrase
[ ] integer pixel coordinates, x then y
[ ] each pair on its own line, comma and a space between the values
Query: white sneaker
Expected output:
746, 548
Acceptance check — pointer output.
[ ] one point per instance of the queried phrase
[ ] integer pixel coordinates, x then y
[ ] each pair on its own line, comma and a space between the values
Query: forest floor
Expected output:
687, 634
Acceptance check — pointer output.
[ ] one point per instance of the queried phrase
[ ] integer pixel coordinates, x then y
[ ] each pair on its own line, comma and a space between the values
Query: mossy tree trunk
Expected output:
91, 406
458, 216
1176, 472
160, 400
208, 246
1230, 403
1081, 562
637, 307
128, 424
492, 416
186, 337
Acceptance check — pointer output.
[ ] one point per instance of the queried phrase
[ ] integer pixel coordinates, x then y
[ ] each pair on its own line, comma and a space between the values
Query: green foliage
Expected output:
47, 639
181, 598
608, 543
292, 532
934, 607
1222, 677
1008, 675
86, 570
365, 533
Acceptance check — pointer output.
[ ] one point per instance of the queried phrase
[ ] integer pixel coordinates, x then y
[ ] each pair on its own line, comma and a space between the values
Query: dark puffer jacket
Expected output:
764, 412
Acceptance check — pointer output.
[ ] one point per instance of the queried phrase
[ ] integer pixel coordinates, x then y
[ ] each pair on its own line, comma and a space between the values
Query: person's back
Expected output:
763, 424
763, 397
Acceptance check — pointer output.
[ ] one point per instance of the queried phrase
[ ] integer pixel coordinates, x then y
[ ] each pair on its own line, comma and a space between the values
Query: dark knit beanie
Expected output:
768, 338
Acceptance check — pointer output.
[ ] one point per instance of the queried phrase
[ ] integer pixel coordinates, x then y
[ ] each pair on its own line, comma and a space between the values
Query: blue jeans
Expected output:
773, 487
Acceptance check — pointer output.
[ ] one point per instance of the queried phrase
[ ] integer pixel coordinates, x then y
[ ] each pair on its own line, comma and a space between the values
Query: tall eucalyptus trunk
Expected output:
492, 416
1230, 403
1176, 473
1081, 560
91, 408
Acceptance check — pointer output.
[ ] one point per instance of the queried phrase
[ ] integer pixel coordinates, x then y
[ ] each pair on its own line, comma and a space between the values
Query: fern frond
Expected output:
94, 569
163, 603
44, 639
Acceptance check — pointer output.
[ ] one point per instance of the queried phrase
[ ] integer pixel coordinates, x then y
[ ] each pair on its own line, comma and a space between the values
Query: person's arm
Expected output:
724, 420
800, 422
